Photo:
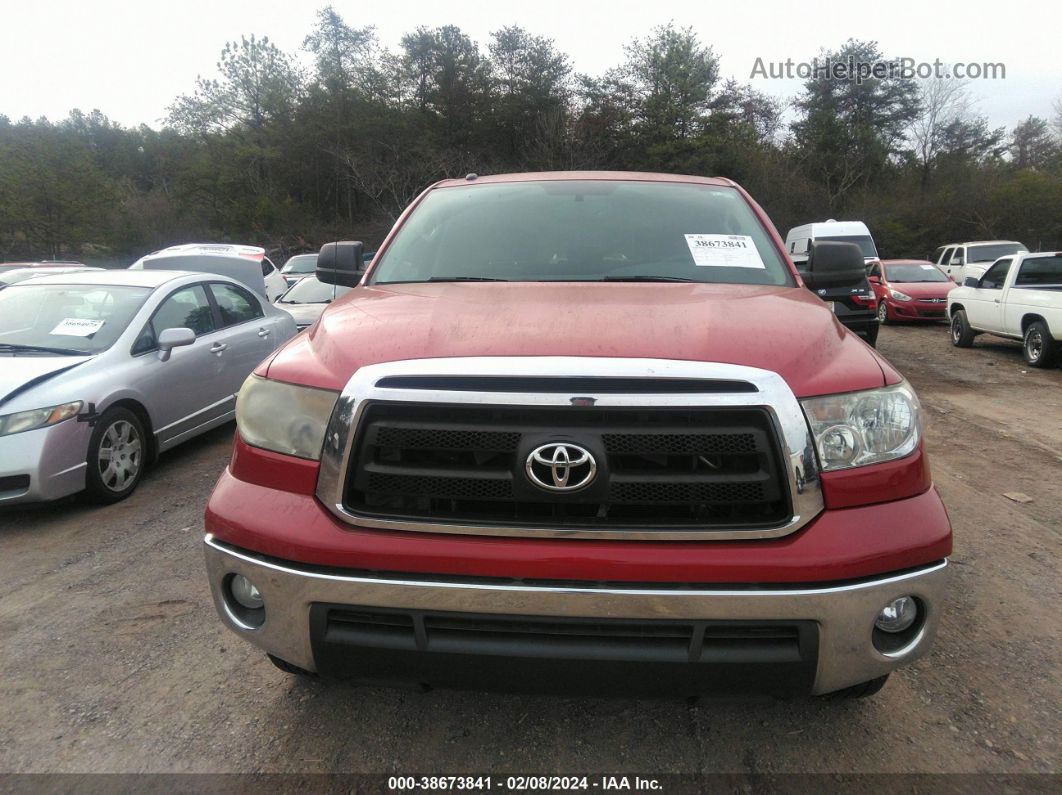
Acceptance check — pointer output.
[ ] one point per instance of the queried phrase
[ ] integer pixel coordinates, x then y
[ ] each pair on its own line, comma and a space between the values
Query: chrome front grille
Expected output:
420, 446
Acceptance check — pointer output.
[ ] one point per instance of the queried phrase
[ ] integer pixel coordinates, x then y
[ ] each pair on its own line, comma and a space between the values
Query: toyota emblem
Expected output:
561, 467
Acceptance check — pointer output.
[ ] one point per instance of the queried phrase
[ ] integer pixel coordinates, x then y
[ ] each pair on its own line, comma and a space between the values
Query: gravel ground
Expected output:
113, 659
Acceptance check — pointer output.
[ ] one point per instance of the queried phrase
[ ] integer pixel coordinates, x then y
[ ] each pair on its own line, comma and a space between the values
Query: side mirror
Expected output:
341, 263
833, 264
873, 279
971, 281
174, 338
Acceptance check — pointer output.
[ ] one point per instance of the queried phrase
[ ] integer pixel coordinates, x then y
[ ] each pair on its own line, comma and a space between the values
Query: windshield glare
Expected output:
865, 243
84, 318
303, 263
993, 252
911, 273
583, 231
311, 291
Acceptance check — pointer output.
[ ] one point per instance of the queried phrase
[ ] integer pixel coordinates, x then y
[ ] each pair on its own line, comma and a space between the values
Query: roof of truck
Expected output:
613, 176
981, 243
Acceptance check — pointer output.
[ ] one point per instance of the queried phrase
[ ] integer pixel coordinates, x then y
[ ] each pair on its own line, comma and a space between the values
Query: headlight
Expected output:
897, 295
859, 428
283, 417
37, 418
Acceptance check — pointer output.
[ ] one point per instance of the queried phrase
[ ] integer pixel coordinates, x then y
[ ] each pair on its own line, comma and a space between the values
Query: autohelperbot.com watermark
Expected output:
853, 69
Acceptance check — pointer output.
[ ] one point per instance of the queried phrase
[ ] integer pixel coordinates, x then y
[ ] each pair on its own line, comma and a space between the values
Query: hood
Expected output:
19, 373
924, 289
784, 329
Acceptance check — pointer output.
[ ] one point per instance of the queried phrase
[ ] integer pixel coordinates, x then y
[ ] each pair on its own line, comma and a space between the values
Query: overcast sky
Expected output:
130, 59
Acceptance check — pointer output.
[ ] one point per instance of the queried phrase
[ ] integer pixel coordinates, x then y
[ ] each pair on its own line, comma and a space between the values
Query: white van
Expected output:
798, 241
208, 258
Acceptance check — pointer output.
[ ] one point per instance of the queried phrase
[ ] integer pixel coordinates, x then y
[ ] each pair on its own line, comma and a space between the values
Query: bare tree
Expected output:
942, 102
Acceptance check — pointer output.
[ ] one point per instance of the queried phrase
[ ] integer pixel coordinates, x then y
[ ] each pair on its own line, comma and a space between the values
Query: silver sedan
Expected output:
101, 371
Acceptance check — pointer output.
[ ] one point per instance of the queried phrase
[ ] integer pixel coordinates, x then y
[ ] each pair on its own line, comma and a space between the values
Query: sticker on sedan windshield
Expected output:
724, 251
78, 327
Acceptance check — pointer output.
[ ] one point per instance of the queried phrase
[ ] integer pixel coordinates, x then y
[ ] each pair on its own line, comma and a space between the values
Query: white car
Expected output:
1018, 297
959, 260
182, 255
307, 299
299, 267
101, 371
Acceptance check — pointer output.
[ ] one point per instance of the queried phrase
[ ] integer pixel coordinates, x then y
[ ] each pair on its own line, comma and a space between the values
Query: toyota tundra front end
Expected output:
582, 432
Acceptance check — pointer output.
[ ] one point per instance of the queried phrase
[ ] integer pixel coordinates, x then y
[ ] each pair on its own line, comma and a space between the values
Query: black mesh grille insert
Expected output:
702, 443
658, 468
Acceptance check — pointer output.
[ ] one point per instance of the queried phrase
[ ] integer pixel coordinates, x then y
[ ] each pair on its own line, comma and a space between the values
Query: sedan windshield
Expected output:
311, 291
577, 231
992, 252
912, 273
65, 318
303, 263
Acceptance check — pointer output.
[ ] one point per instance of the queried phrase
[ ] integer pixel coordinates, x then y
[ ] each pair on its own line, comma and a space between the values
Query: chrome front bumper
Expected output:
844, 613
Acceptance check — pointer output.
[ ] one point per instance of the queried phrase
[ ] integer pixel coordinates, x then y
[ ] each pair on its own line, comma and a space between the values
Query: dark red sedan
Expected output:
909, 289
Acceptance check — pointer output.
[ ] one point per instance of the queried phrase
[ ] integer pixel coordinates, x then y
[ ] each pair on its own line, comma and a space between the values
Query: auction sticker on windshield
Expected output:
77, 327
724, 251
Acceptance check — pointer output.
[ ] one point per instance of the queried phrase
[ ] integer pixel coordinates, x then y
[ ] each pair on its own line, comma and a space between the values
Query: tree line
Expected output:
266, 151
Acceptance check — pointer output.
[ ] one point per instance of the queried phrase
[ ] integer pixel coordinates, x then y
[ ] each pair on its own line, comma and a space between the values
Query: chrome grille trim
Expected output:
772, 394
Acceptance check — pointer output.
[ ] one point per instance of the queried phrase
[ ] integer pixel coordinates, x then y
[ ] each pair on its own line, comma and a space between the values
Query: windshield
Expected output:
865, 243
583, 231
992, 252
912, 273
66, 318
311, 291
303, 263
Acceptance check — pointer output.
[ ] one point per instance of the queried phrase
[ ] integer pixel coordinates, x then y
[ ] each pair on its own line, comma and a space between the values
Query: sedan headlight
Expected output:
284, 418
898, 296
37, 418
859, 428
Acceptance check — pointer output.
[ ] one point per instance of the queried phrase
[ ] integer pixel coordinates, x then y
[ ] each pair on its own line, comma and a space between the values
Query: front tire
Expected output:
116, 456
1038, 346
962, 336
883, 313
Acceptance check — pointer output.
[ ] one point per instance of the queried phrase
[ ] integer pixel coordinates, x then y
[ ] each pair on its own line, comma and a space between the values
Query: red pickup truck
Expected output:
582, 431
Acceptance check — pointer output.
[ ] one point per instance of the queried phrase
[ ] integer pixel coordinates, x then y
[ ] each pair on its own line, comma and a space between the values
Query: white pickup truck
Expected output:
1019, 297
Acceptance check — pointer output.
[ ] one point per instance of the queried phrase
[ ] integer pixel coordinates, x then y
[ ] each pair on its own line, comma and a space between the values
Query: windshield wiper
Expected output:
8, 346
646, 278
464, 279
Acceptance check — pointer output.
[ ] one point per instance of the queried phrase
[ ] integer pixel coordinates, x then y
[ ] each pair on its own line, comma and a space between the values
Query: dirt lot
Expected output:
113, 660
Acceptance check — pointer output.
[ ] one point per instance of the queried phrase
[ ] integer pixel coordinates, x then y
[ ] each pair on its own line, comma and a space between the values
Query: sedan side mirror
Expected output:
174, 338
834, 264
873, 280
341, 263
971, 281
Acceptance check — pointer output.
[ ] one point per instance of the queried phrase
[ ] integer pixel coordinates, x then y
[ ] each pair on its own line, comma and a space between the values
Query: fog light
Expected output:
246, 592
897, 615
